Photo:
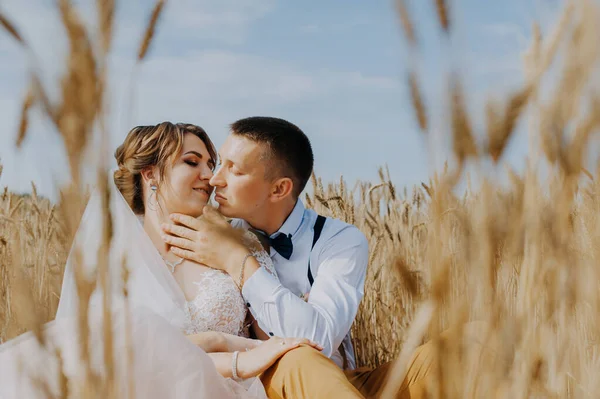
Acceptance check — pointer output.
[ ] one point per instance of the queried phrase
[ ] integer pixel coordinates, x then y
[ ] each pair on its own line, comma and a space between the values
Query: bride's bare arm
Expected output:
234, 343
223, 362
257, 360
212, 342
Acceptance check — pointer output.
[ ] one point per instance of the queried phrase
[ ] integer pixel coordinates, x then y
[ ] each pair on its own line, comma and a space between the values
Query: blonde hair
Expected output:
147, 146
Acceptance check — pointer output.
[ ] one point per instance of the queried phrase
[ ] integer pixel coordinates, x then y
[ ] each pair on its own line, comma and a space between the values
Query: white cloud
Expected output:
214, 88
222, 15
223, 21
359, 80
337, 28
310, 29
209, 87
41, 158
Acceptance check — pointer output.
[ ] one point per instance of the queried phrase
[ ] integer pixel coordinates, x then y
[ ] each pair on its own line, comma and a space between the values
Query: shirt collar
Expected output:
293, 221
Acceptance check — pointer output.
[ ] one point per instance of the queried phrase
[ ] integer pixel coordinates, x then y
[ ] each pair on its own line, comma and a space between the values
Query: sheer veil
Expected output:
149, 285
164, 363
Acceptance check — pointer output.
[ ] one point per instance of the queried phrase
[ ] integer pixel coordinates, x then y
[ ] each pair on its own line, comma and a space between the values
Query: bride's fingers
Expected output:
316, 346
307, 342
302, 341
298, 341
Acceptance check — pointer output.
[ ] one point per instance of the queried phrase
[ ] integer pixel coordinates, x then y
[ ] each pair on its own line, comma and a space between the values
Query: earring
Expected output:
152, 201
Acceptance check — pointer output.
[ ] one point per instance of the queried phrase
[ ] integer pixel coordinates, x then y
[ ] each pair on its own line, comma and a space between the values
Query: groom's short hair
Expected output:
287, 148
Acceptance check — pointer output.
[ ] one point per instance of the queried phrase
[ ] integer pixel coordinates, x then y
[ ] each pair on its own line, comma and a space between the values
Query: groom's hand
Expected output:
208, 240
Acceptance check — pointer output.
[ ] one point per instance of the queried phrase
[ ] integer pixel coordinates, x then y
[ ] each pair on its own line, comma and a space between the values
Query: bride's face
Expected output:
185, 188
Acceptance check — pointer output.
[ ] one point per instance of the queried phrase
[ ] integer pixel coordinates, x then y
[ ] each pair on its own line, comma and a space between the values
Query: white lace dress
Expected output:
166, 364
218, 304
147, 318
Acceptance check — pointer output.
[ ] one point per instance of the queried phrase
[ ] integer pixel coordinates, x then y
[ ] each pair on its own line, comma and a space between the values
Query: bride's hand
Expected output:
257, 360
234, 343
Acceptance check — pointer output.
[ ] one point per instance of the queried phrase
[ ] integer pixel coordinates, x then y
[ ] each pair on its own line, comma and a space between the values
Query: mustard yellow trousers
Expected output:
306, 373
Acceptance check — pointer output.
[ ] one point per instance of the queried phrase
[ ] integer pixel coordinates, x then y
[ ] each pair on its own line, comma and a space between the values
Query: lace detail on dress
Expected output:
259, 253
219, 305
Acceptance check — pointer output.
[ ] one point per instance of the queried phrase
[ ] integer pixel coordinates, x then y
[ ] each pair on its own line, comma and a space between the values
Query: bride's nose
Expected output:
206, 173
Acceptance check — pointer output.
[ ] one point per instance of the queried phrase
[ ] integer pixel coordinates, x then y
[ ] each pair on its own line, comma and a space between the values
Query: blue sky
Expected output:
336, 69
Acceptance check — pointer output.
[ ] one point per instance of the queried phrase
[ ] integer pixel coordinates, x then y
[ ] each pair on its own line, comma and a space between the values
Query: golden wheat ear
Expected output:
11, 29
150, 29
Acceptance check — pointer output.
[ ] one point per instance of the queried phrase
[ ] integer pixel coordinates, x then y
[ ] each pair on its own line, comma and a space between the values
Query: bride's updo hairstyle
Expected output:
147, 146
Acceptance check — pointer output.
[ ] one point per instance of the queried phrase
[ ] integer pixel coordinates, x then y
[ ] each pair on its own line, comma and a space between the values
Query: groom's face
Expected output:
241, 187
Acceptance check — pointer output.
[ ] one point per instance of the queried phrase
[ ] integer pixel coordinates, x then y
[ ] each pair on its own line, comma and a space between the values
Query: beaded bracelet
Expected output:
234, 373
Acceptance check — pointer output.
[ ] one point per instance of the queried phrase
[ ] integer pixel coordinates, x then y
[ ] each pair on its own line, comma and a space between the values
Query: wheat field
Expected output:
519, 257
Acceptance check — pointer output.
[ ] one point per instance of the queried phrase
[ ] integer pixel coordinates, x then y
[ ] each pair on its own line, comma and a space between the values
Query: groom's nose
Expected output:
217, 180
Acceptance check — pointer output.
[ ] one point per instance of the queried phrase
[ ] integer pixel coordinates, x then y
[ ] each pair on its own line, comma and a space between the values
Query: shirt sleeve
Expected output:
333, 301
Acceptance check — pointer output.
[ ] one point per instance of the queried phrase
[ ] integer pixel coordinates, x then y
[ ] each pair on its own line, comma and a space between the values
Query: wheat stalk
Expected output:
521, 257
417, 101
149, 33
11, 29
441, 7
406, 23
27, 104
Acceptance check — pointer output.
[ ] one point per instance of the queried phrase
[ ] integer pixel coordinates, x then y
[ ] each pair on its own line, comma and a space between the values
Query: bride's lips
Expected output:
203, 191
219, 198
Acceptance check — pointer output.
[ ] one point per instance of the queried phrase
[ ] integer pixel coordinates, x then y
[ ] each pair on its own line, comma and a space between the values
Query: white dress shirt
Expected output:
338, 264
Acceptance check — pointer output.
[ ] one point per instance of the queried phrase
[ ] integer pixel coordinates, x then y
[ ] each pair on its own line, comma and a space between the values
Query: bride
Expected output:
179, 329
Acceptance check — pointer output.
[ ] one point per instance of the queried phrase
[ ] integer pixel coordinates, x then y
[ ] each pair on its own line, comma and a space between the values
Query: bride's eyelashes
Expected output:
193, 162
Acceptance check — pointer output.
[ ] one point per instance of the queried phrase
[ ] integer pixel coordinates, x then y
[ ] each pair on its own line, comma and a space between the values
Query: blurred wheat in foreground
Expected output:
30, 234
521, 258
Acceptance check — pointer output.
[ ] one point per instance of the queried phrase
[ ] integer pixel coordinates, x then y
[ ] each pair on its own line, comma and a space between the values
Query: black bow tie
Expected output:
283, 245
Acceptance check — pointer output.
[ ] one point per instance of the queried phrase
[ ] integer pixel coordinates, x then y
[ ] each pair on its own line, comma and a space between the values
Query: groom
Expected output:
321, 263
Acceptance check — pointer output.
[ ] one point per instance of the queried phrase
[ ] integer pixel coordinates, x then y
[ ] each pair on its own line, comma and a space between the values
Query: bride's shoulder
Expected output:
252, 242
238, 223
256, 247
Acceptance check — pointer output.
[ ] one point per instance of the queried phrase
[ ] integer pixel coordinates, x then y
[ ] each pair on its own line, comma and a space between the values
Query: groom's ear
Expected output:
282, 188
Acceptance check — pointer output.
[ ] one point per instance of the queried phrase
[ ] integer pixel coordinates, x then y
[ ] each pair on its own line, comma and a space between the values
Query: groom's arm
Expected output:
333, 301
334, 297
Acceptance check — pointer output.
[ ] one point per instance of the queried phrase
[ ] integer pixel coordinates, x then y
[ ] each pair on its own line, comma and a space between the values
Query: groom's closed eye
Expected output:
236, 171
